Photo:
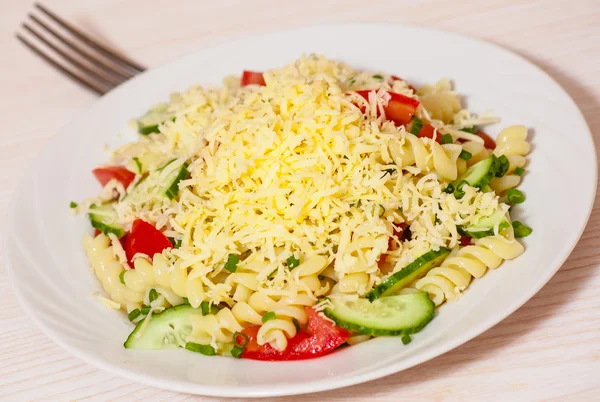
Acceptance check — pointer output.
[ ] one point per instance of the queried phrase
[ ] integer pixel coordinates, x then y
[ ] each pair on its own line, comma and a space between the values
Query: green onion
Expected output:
178, 243
206, 350
292, 262
138, 164
502, 165
406, 339
465, 155
515, 196
122, 277
269, 316
73, 204
382, 210
133, 314
186, 300
236, 334
296, 324
519, 171
232, 262
237, 352
152, 295
146, 310
449, 188
459, 193
389, 171
378, 77
205, 307
521, 229
416, 126
446, 139
472, 129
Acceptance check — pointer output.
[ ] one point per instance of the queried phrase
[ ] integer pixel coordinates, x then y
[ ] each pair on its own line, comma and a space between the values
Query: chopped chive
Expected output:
389, 171
449, 189
406, 339
519, 171
292, 262
178, 243
237, 352
152, 295
515, 196
122, 277
352, 80
232, 262
465, 155
521, 229
186, 300
446, 139
206, 350
459, 193
502, 165
382, 210
378, 77
416, 126
205, 307
133, 314
269, 316
146, 309
296, 324
236, 340
73, 204
138, 164
472, 129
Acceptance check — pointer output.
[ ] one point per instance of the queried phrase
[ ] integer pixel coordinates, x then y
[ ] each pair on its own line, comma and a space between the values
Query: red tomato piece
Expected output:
400, 108
252, 78
392, 244
427, 131
396, 78
488, 141
106, 174
96, 232
145, 238
466, 241
319, 338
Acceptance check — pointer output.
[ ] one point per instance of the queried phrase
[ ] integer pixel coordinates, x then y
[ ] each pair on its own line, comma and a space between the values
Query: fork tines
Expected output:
76, 54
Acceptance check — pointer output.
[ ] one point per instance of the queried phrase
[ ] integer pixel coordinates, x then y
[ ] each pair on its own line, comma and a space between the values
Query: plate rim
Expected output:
325, 384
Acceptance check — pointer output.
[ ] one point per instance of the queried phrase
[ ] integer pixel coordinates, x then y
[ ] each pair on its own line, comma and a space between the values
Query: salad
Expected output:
293, 211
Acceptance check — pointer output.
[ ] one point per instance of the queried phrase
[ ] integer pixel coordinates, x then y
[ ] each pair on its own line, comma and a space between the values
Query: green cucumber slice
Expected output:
387, 316
163, 182
480, 174
485, 226
166, 330
410, 273
157, 115
104, 218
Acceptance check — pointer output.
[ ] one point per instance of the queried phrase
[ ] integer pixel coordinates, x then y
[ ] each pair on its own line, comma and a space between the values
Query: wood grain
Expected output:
548, 350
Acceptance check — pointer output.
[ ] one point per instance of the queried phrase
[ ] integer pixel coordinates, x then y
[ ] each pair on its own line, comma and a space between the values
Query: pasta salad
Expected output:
290, 212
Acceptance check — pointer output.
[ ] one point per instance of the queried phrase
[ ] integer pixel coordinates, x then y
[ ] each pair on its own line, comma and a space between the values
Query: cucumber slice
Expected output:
166, 330
148, 123
410, 273
388, 316
480, 174
104, 218
163, 182
485, 226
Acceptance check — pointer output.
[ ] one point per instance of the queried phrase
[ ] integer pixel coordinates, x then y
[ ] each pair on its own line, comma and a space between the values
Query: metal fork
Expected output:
79, 56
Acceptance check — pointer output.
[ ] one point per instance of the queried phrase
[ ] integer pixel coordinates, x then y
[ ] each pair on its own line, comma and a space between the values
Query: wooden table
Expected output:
547, 350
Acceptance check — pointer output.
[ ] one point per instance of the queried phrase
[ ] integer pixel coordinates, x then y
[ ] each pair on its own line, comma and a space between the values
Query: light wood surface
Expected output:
547, 350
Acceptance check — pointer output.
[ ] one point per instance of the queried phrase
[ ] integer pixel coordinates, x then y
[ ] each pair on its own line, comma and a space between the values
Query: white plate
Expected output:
52, 279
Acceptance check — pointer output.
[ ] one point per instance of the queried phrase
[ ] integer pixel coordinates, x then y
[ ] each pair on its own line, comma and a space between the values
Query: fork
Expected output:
76, 54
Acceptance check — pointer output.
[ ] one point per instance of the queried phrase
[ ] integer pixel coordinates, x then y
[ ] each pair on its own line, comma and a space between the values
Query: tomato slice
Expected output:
252, 78
428, 131
488, 141
106, 174
145, 238
400, 108
466, 241
319, 338
396, 78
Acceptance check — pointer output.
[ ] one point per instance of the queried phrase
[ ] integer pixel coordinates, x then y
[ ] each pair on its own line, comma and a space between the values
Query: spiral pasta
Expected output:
511, 142
447, 281
440, 101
